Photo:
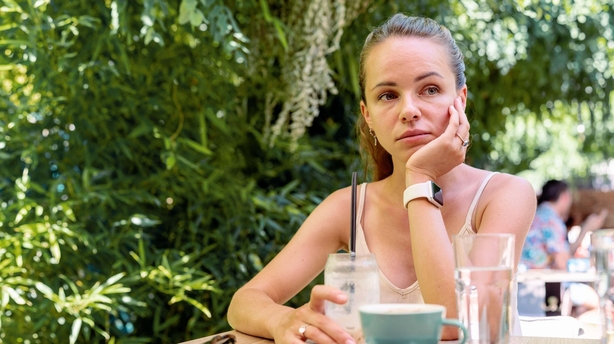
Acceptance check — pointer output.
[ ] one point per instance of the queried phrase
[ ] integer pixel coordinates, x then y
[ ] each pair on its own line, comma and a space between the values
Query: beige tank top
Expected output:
389, 293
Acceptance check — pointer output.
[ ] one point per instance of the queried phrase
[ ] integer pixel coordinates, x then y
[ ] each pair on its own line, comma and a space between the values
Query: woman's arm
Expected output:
509, 207
431, 249
506, 206
433, 258
257, 308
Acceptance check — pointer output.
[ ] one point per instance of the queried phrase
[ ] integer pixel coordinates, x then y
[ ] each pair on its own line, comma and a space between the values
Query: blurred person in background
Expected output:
547, 245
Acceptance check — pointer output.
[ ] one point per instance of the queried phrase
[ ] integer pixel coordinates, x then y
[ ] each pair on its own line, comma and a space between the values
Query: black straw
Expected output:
353, 219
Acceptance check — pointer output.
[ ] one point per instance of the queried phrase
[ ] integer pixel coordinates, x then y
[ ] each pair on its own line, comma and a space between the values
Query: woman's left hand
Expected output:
447, 151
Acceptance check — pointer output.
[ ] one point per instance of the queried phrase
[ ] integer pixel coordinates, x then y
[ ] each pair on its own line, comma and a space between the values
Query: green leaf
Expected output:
22, 212
114, 279
75, 329
56, 252
140, 130
264, 6
185, 10
44, 289
190, 164
198, 305
196, 146
5, 299
14, 42
281, 35
143, 221
14, 295
196, 18
68, 211
170, 161
217, 122
7, 26
40, 3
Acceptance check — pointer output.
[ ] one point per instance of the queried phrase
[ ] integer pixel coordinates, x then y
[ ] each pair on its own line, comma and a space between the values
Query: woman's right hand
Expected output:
319, 328
448, 148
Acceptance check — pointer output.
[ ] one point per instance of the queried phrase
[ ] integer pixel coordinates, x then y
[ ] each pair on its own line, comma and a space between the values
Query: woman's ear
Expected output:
365, 112
463, 94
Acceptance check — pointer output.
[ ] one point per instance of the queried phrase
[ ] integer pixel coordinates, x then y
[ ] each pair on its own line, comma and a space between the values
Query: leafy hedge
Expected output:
137, 192
138, 186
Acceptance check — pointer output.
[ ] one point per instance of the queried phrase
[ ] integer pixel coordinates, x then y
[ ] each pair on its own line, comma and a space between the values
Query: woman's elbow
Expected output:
233, 313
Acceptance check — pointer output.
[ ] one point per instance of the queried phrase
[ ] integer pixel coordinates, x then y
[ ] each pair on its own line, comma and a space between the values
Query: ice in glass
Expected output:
358, 277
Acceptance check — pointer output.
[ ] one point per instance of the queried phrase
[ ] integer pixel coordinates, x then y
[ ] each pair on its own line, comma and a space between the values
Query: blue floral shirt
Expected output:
548, 235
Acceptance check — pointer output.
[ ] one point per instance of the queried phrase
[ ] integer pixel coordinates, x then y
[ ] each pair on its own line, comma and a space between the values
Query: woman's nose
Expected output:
409, 110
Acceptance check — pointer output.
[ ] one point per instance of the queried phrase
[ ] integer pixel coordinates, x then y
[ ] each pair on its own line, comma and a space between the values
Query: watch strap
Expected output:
428, 190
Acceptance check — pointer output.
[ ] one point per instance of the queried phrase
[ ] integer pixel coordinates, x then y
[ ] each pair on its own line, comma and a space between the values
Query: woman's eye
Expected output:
387, 96
431, 91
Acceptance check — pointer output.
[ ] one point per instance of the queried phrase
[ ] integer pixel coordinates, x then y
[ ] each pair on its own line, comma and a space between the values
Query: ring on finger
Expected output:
302, 330
465, 143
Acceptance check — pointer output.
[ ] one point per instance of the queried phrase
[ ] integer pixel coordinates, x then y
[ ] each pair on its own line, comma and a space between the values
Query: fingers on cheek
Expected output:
455, 115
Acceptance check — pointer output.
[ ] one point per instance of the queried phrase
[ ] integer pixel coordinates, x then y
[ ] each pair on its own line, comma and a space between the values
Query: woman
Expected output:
414, 126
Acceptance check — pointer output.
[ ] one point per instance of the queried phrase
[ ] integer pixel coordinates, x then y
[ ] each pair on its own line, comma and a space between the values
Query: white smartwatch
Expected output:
429, 190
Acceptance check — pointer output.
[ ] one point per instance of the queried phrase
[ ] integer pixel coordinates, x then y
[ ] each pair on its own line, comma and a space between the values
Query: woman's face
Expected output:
409, 86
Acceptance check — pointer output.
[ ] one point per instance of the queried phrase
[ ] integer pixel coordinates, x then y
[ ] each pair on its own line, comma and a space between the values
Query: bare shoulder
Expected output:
332, 215
509, 204
503, 184
337, 201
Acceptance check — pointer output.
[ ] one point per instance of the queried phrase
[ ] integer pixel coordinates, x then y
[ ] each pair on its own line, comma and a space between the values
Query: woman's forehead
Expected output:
407, 55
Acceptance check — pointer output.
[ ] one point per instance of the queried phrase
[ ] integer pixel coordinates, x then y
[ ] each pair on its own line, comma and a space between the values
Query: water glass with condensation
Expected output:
602, 256
358, 276
484, 264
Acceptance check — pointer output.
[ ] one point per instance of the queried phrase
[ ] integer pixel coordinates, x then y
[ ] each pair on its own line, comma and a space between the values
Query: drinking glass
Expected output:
358, 276
602, 256
483, 275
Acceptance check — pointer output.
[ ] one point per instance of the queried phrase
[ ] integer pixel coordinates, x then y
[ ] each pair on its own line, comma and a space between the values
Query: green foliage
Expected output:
528, 63
137, 192
137, 187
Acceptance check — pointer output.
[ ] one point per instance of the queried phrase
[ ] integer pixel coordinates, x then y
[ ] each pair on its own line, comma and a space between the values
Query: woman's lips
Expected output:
414, 136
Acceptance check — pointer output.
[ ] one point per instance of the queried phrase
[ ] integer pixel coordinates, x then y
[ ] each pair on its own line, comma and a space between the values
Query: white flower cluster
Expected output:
316, 26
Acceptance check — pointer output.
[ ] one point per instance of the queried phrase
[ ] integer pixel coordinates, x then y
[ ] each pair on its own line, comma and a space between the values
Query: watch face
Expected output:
437, 194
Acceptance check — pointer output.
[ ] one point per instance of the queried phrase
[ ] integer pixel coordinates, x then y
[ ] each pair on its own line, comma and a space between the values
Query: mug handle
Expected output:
454, 322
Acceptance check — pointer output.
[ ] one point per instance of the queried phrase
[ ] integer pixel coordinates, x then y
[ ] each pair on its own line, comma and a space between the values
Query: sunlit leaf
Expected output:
74, 332
14, 295
48, 292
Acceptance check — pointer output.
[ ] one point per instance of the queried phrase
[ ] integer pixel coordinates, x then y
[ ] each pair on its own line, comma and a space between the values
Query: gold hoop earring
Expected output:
374, 137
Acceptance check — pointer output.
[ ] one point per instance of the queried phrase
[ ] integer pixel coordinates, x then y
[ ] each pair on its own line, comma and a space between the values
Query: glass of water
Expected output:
483, 270
602, 255
358, 276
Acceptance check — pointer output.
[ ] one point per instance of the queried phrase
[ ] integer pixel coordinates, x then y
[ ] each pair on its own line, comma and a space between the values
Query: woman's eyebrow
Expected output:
426, 75
384, 83
418, 78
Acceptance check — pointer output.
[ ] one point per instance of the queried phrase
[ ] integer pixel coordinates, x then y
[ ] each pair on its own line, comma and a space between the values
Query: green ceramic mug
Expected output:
402, 323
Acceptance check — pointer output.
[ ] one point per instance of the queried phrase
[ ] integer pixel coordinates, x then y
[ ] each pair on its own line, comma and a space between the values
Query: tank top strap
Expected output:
361, 202
476, 198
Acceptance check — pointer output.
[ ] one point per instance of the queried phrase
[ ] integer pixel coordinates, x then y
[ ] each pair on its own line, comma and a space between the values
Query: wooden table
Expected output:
247, 339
